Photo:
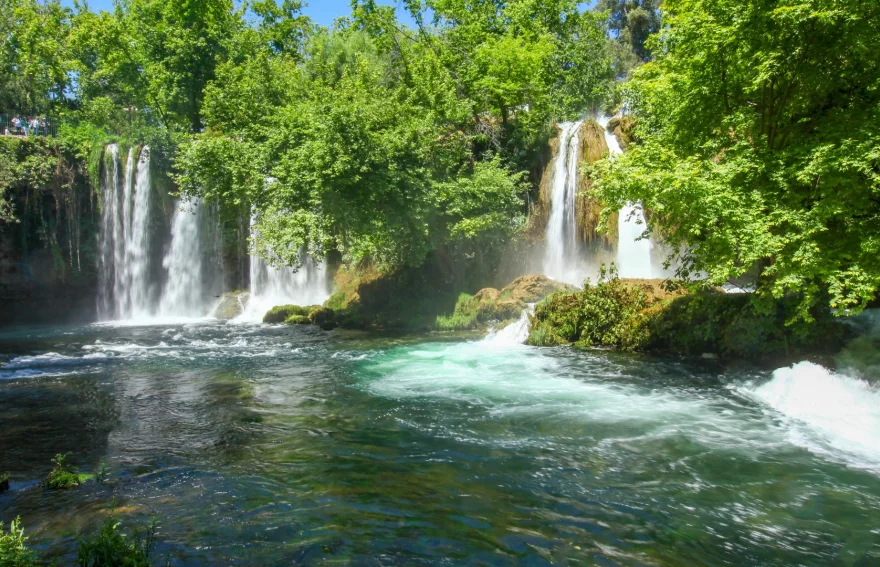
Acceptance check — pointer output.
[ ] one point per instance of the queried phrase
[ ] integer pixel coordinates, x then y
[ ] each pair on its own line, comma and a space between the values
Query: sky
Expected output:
321, 11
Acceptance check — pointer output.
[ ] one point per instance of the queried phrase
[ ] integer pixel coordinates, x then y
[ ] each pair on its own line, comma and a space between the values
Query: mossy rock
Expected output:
280, 313
324, 317
298, 320
533, 288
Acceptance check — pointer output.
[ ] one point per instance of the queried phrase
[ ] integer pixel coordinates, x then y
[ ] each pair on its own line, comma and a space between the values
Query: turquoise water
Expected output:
256, 445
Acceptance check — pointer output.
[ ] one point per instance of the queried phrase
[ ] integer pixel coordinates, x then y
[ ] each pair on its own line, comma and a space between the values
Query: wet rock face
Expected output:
231, 305
531, 289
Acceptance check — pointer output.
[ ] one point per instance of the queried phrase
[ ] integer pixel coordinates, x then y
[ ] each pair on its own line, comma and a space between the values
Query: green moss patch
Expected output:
280, 313
63, 476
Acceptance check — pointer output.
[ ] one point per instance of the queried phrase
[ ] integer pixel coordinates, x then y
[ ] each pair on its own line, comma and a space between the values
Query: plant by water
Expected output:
63, 476
14, 551
112, 547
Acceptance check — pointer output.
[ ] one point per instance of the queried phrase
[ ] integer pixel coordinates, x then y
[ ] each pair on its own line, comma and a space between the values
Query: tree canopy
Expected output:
759, 124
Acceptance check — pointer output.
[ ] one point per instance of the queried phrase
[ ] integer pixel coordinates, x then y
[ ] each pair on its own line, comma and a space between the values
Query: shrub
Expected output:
111, 547
281, 313
473, 312
63, 476
13, 547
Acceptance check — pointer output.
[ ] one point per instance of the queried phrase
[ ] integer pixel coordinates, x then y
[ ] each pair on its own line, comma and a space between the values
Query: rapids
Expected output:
256, 445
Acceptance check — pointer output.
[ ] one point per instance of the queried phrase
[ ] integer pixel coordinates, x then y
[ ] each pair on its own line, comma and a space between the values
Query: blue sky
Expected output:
322, 11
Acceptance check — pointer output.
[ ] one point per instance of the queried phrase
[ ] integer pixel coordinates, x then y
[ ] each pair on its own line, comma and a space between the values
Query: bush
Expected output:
13, 547
113, 548
281, 313
63, 476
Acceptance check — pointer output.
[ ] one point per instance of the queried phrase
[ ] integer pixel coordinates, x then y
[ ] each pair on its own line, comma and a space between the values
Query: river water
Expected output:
264, 445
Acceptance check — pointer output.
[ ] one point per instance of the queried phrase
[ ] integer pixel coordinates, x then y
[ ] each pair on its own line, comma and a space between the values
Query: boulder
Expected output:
531, 289
281, 313
231, 304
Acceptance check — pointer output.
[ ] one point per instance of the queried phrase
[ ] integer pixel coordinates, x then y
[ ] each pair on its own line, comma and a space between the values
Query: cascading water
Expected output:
188, 284
125, 237
561, 255
130, 276
271, 286
633, 252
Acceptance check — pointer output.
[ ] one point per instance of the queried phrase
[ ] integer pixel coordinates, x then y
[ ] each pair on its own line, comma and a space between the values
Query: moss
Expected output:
280, 313
297, 320
63, 476
475, 312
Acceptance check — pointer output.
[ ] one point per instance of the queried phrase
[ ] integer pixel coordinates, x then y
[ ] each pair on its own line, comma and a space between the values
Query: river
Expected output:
269, 445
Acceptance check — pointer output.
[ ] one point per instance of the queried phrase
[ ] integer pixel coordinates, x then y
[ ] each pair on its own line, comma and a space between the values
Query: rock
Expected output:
324, 317
280, 313
531, 289
231, 304
487, 294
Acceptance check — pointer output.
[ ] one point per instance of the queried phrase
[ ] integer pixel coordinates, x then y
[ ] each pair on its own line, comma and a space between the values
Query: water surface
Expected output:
259, 445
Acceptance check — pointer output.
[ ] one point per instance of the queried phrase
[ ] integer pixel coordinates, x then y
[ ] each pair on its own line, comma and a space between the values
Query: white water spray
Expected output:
826, 413
516, 333
561, 255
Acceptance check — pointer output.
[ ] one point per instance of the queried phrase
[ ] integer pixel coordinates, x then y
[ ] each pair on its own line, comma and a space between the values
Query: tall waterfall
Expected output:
633, 254
561, 255
190, 283
133, 284
271, 286
125, 237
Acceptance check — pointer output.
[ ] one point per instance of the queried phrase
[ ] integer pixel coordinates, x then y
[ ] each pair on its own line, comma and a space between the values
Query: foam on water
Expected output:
513, 334
827, 413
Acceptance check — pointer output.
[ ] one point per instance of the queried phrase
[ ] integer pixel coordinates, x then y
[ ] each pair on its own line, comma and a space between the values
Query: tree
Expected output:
760, 129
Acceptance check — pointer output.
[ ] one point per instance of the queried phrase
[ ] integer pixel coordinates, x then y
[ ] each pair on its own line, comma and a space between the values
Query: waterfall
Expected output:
125, 237
130, 278
271, 286
633, 253
189, 284
562, 254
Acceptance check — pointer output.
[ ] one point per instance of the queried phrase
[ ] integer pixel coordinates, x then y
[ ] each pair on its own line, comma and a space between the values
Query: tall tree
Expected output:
760, 123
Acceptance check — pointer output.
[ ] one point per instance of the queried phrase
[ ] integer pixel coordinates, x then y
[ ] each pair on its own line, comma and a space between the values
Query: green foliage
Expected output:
280, 313
63, 476
759, 125
13, 547
622, 315
297, 320
112, 547
603, 315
